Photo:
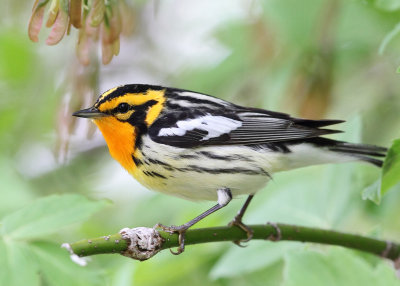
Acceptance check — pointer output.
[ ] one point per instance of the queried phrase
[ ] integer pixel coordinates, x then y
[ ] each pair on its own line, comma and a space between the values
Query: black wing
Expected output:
239, 127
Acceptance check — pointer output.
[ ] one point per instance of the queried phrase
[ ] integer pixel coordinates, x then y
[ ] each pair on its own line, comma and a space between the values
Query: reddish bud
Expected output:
36, 20
59, 28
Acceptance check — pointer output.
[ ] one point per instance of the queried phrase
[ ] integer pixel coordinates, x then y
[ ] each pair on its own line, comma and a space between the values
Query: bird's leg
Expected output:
237, 220
224, 197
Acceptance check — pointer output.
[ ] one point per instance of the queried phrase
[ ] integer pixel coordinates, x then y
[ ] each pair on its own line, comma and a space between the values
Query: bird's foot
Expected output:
278, 235
237, 221
180, 230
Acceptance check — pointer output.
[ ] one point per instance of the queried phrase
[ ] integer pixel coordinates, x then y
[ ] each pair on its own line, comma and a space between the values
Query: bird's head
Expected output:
122, 113
135, 104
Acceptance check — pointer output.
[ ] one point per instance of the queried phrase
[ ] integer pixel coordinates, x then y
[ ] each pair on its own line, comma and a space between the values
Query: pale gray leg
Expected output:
224, 197
237, 220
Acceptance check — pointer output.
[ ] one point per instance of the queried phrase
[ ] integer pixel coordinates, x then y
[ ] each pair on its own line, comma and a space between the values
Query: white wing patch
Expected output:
214, 125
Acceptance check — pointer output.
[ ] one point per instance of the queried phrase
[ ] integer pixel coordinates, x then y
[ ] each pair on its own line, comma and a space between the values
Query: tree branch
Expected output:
142, 243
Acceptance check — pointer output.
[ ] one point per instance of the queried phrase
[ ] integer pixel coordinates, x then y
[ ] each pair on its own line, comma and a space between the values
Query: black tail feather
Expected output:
317, 123
363, 152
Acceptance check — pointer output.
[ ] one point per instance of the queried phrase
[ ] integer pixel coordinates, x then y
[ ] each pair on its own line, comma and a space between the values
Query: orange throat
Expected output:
120, 138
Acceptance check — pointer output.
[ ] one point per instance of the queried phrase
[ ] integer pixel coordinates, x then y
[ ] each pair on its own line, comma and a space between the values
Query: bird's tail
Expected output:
363, 152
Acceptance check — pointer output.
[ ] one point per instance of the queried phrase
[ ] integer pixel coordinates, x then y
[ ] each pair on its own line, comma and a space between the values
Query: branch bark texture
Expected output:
142, 243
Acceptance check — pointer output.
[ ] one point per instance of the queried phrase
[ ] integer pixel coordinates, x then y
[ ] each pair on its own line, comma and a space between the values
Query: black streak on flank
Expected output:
154, 174
188, 156
198, 169
158, 175
215, 156
148, 173
137, 161
224, 158
157, 162
281, 147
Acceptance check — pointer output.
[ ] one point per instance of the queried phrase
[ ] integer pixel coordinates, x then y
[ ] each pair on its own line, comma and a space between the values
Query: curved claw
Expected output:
237, 221
278, 235
181, 247
181, 230
239, 243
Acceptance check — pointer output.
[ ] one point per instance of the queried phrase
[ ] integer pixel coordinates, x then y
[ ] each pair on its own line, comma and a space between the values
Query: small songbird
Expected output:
199, 147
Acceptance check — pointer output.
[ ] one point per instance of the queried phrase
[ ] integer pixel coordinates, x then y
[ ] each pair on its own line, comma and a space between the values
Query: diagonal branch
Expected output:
142, 243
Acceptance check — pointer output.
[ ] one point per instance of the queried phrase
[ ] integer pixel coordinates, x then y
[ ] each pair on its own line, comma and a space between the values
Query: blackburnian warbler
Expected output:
199, 147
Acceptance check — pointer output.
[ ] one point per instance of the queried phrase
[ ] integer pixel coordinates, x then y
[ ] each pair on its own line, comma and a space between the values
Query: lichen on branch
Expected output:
143, 243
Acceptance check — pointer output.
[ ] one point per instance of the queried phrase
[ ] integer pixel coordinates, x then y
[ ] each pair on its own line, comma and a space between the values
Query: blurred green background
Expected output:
311, 58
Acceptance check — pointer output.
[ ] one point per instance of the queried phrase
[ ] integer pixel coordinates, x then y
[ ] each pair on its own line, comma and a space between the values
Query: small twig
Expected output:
143, 243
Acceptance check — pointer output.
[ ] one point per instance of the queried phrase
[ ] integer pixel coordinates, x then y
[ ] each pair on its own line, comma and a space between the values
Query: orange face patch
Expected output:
120, 138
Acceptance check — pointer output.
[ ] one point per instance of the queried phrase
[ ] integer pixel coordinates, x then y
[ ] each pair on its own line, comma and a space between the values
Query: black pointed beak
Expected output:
91, 112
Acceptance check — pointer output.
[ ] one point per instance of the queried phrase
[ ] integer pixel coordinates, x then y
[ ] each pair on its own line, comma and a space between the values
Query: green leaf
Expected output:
259, 254
372, 192
18, 191
17, 264
48, 215
191, 271
123, 274
16, 57
388, 5
292, 198
57, 268
385, 276
337, 267
269, 276
391, 168
388, 38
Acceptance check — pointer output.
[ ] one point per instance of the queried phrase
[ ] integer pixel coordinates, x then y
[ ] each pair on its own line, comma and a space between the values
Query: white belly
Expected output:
199, 186
197, 174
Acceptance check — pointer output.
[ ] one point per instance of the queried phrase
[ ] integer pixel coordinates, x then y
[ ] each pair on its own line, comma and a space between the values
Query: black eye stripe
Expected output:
139, 113
125, 107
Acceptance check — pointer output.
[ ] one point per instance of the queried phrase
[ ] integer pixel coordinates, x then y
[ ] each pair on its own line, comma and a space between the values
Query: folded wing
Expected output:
243, 127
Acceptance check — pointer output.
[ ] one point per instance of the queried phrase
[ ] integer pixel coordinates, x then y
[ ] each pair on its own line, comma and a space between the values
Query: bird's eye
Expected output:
122, 107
